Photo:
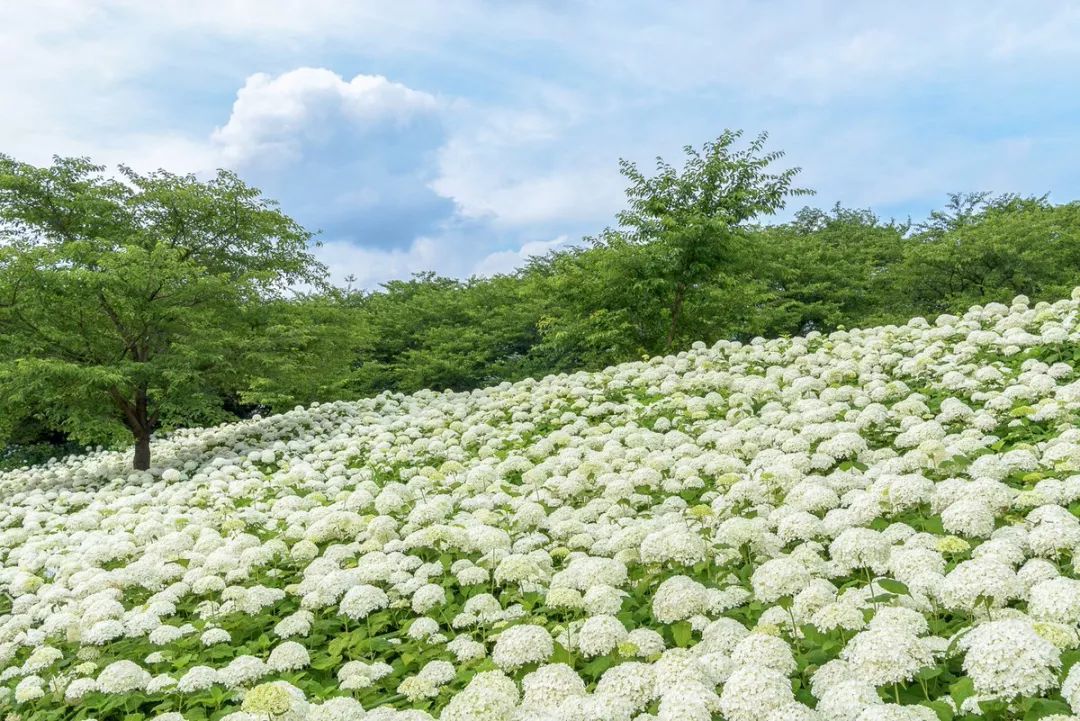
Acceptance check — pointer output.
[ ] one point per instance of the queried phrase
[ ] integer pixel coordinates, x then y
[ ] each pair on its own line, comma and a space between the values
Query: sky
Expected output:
463, 137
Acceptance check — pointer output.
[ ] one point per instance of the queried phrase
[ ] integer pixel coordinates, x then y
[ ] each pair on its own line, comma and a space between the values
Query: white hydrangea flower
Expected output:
846, 700
361, 600
1055, 599
762, 649
817, 465
288, 656
490, 696
550, 685
466, 649
123, 677
1006, 659
779, 577
886, 655
521, 645
677, 546
213, 636
29, 689
678, 598
632, 681
599, 635
80, 687
979, 581
753, 692
427, 597
279, 700
197, 678
243, 671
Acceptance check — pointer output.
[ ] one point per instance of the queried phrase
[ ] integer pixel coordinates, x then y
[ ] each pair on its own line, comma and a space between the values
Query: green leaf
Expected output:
933, 524
928, 672
1067, 660
683, 633
943, 710
892, 586
961, 691
598, 665
1043, 707
326, 662
813, 636
339, 644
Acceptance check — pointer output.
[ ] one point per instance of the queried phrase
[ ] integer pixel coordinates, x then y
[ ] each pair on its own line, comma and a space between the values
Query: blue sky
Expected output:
464, 136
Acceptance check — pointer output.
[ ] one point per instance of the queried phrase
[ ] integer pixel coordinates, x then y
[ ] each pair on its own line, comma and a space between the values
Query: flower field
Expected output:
874, 525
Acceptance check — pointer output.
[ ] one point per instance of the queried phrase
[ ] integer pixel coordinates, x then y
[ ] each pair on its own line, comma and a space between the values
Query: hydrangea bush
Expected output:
873, 525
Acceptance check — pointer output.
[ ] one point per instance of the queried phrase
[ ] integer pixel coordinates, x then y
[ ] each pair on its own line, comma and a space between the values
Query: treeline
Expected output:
129, 308
602, 304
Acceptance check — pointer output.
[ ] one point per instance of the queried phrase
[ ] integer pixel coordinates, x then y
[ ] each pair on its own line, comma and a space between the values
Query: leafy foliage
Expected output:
124, 303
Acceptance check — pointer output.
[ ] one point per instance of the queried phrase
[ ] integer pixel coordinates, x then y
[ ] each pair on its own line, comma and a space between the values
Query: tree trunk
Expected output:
141, 429
142, 452
676, 314
139, 421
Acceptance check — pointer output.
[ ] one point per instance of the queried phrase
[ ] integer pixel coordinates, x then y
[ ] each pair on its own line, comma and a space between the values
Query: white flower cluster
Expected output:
682, 538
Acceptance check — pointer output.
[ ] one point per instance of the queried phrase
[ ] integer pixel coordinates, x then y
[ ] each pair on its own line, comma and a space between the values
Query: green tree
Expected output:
994, 250
124, 302
692, 219
434, 332
825, 269
965, 209
302, 350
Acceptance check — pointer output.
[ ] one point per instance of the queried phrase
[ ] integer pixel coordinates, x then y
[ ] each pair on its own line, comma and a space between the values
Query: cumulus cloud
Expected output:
274, 116
349, 157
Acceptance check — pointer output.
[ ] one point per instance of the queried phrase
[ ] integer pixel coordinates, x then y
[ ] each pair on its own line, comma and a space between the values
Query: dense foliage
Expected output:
611, 300
127, 304
869, 525
691, 258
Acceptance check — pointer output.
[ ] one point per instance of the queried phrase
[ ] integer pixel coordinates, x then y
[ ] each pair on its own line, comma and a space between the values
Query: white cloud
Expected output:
405, 25
796, 50
91, 76
505, 261
488, 184
446, 255
529, 166
372, 266
62, 88
273, 116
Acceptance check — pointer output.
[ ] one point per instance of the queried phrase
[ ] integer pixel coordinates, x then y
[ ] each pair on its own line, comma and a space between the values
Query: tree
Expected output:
966, 209
306, 350
436, 332
595, 307
124, 301
826, 269
693, 218
1002, 247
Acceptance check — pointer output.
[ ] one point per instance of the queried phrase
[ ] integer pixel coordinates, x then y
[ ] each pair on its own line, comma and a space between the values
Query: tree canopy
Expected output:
125, 302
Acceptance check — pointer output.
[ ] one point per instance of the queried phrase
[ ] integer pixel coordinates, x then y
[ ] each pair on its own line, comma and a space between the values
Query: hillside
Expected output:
870, 525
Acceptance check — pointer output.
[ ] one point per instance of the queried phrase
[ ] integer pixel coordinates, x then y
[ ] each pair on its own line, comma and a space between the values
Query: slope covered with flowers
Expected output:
867, 526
